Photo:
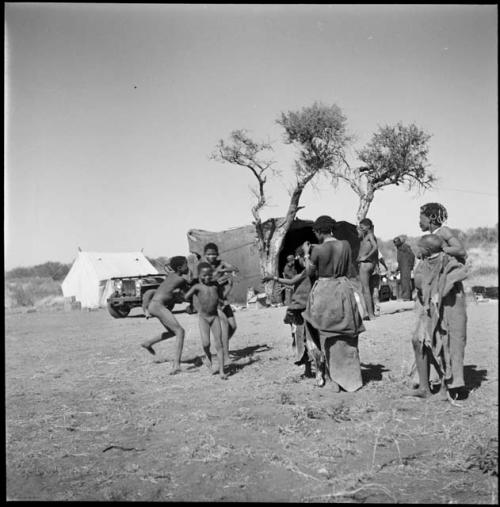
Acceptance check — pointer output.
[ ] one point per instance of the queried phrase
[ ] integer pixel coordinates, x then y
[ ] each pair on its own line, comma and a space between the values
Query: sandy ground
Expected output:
91, 416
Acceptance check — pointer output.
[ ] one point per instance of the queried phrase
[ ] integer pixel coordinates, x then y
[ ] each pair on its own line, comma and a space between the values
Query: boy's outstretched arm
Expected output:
190, 292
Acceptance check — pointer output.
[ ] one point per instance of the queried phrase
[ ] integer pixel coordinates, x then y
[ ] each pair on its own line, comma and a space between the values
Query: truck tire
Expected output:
118, 312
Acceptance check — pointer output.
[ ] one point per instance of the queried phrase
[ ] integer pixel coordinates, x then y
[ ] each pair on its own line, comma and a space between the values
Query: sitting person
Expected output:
438, 339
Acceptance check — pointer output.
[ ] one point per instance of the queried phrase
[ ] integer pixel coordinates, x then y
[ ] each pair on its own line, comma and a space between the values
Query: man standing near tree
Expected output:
406, 262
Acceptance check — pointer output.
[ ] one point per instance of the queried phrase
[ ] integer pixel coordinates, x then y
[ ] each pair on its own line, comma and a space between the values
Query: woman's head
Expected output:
432, 215
323, 226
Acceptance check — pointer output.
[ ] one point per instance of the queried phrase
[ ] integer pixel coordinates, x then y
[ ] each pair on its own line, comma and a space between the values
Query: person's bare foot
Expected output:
223, 376
175, 370
335, 387
207, 363
419, 393
320, 379
149, 348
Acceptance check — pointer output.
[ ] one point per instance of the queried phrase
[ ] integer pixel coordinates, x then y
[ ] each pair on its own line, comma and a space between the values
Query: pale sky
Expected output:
113, 110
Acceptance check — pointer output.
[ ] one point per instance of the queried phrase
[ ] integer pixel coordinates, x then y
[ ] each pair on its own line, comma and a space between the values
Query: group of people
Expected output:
325, 308
207, 290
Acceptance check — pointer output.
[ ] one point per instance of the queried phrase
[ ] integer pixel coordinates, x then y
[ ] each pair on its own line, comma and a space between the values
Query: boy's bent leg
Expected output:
173, 328
148, 344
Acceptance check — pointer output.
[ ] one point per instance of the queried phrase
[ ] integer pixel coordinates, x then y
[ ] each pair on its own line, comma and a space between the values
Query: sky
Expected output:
113, 110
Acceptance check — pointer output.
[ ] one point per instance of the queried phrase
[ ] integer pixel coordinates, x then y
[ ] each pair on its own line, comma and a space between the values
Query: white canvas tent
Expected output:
88, 278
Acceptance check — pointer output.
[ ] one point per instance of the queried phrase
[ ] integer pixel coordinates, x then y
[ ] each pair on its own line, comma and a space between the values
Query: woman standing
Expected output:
454, 313
331, 316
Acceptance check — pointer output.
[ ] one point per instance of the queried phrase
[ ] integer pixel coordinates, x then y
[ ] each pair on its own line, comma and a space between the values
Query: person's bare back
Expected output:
165, 292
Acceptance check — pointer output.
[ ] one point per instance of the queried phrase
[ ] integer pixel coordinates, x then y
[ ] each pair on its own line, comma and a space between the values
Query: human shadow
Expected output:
473, 377
397, 310
372, 372
233, 368
249, 351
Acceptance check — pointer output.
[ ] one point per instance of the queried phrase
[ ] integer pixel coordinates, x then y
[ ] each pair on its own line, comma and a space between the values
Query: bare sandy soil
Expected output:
91, 416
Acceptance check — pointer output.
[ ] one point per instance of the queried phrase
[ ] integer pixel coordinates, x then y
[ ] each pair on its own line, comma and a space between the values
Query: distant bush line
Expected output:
472, 238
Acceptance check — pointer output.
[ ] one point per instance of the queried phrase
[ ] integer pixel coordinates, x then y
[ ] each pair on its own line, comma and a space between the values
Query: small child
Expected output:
301, 285
209, 294
222, 274
289, 272
437, 340
161, 305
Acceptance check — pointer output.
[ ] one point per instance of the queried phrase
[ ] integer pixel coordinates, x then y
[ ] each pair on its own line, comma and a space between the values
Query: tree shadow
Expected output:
249, 351
474, 378
372, 372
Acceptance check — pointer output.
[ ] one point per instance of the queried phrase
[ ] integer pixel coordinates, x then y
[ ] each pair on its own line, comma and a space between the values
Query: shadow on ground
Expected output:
372, 372
249, 351
474, 378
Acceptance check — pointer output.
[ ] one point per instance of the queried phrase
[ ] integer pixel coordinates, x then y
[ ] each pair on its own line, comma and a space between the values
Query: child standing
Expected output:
209, 294
301, 283
222, 274
289, 272
161, 305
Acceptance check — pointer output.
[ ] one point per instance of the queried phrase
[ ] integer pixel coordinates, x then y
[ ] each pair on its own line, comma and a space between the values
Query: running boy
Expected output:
209, 294
161, 305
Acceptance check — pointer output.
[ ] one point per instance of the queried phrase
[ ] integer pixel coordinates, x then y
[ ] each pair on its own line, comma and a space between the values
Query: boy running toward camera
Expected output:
222, 274
209, 294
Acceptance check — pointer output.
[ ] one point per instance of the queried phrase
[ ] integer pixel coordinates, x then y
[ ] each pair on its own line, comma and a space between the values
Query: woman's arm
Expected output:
454, 246
286, 281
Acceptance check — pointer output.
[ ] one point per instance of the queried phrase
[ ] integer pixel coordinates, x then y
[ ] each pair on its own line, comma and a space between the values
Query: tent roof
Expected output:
108, 265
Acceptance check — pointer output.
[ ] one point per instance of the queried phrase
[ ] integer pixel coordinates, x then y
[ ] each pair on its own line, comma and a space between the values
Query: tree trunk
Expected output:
269, 258
365, 201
